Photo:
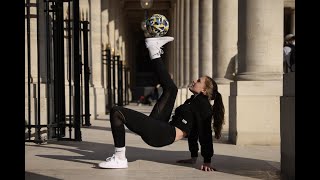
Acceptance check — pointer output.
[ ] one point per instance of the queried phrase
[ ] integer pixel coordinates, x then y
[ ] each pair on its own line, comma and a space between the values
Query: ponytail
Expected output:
218, 115
217, 107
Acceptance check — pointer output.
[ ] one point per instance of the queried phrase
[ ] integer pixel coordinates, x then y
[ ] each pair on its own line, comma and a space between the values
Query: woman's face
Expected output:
198, 86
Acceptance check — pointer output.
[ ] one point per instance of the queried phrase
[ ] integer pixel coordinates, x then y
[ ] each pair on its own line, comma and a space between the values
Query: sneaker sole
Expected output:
162, 38
115, 167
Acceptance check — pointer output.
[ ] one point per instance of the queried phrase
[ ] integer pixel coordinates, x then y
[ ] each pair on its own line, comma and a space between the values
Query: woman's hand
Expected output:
188, 161
207, 167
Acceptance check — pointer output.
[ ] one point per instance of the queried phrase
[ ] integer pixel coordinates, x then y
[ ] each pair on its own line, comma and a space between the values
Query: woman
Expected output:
191, 118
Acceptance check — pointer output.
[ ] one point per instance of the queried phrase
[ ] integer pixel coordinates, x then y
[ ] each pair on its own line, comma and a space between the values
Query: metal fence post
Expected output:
86, 73
76, 55
120, 98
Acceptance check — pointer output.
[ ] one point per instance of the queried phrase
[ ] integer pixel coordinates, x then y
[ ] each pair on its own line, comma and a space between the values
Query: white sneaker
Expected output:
114, 163
155, 44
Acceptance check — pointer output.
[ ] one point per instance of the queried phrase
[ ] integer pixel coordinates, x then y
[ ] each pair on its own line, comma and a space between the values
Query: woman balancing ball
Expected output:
157, 25
194, 119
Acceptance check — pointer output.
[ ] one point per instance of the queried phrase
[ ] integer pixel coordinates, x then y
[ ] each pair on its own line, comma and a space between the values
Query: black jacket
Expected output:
197, 112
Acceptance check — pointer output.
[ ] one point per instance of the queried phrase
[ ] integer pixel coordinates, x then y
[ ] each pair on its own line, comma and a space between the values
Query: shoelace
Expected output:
161, 51
111, 158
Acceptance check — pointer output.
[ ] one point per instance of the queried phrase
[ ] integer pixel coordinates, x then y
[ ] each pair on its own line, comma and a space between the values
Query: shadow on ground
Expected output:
222, 140
34, 176
253, 168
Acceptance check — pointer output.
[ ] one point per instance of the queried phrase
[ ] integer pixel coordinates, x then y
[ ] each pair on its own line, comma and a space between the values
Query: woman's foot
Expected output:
114, 162
155, 44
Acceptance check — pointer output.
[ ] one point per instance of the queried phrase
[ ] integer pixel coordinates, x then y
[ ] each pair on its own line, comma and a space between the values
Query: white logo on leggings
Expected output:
184, 121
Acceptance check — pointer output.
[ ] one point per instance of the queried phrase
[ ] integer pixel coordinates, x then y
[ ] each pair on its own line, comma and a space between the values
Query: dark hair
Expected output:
217, 107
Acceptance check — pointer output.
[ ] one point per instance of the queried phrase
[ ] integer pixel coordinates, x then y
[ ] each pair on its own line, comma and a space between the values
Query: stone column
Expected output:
255, 97
176, 41
111, 24
205, 38
261, 25
117, 44
225, 37
181, 43
124, 58
33, 45
179, 81
174, 34
176, 45
104, 22
121, 46
116, 34
186, 51
111, 30
194, 40
293, 21
104, 37
95, 31
186, 48
69, 80
96, 66
170, 49
43, 42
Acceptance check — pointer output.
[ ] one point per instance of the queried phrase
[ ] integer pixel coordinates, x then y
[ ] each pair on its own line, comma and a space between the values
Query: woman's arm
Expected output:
193, 147
193, 141
205, 137
203, 116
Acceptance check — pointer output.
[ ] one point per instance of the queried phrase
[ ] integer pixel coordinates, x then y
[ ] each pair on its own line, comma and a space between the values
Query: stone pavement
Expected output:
78, 160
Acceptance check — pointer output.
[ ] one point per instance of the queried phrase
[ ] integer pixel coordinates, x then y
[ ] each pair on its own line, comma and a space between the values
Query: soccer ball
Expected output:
157, 25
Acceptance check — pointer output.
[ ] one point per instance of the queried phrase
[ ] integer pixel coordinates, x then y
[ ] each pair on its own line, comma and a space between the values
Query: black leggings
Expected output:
153, 129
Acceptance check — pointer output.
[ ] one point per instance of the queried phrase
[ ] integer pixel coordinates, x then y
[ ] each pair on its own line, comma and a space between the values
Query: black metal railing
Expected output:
62, 38
116, 76
120, 81
126, 84
58, 66
106, 60
87, 72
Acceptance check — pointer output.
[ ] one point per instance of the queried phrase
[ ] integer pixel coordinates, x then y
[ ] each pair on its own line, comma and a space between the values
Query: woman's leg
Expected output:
121, 116
163, 108
154, 132
118, 118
